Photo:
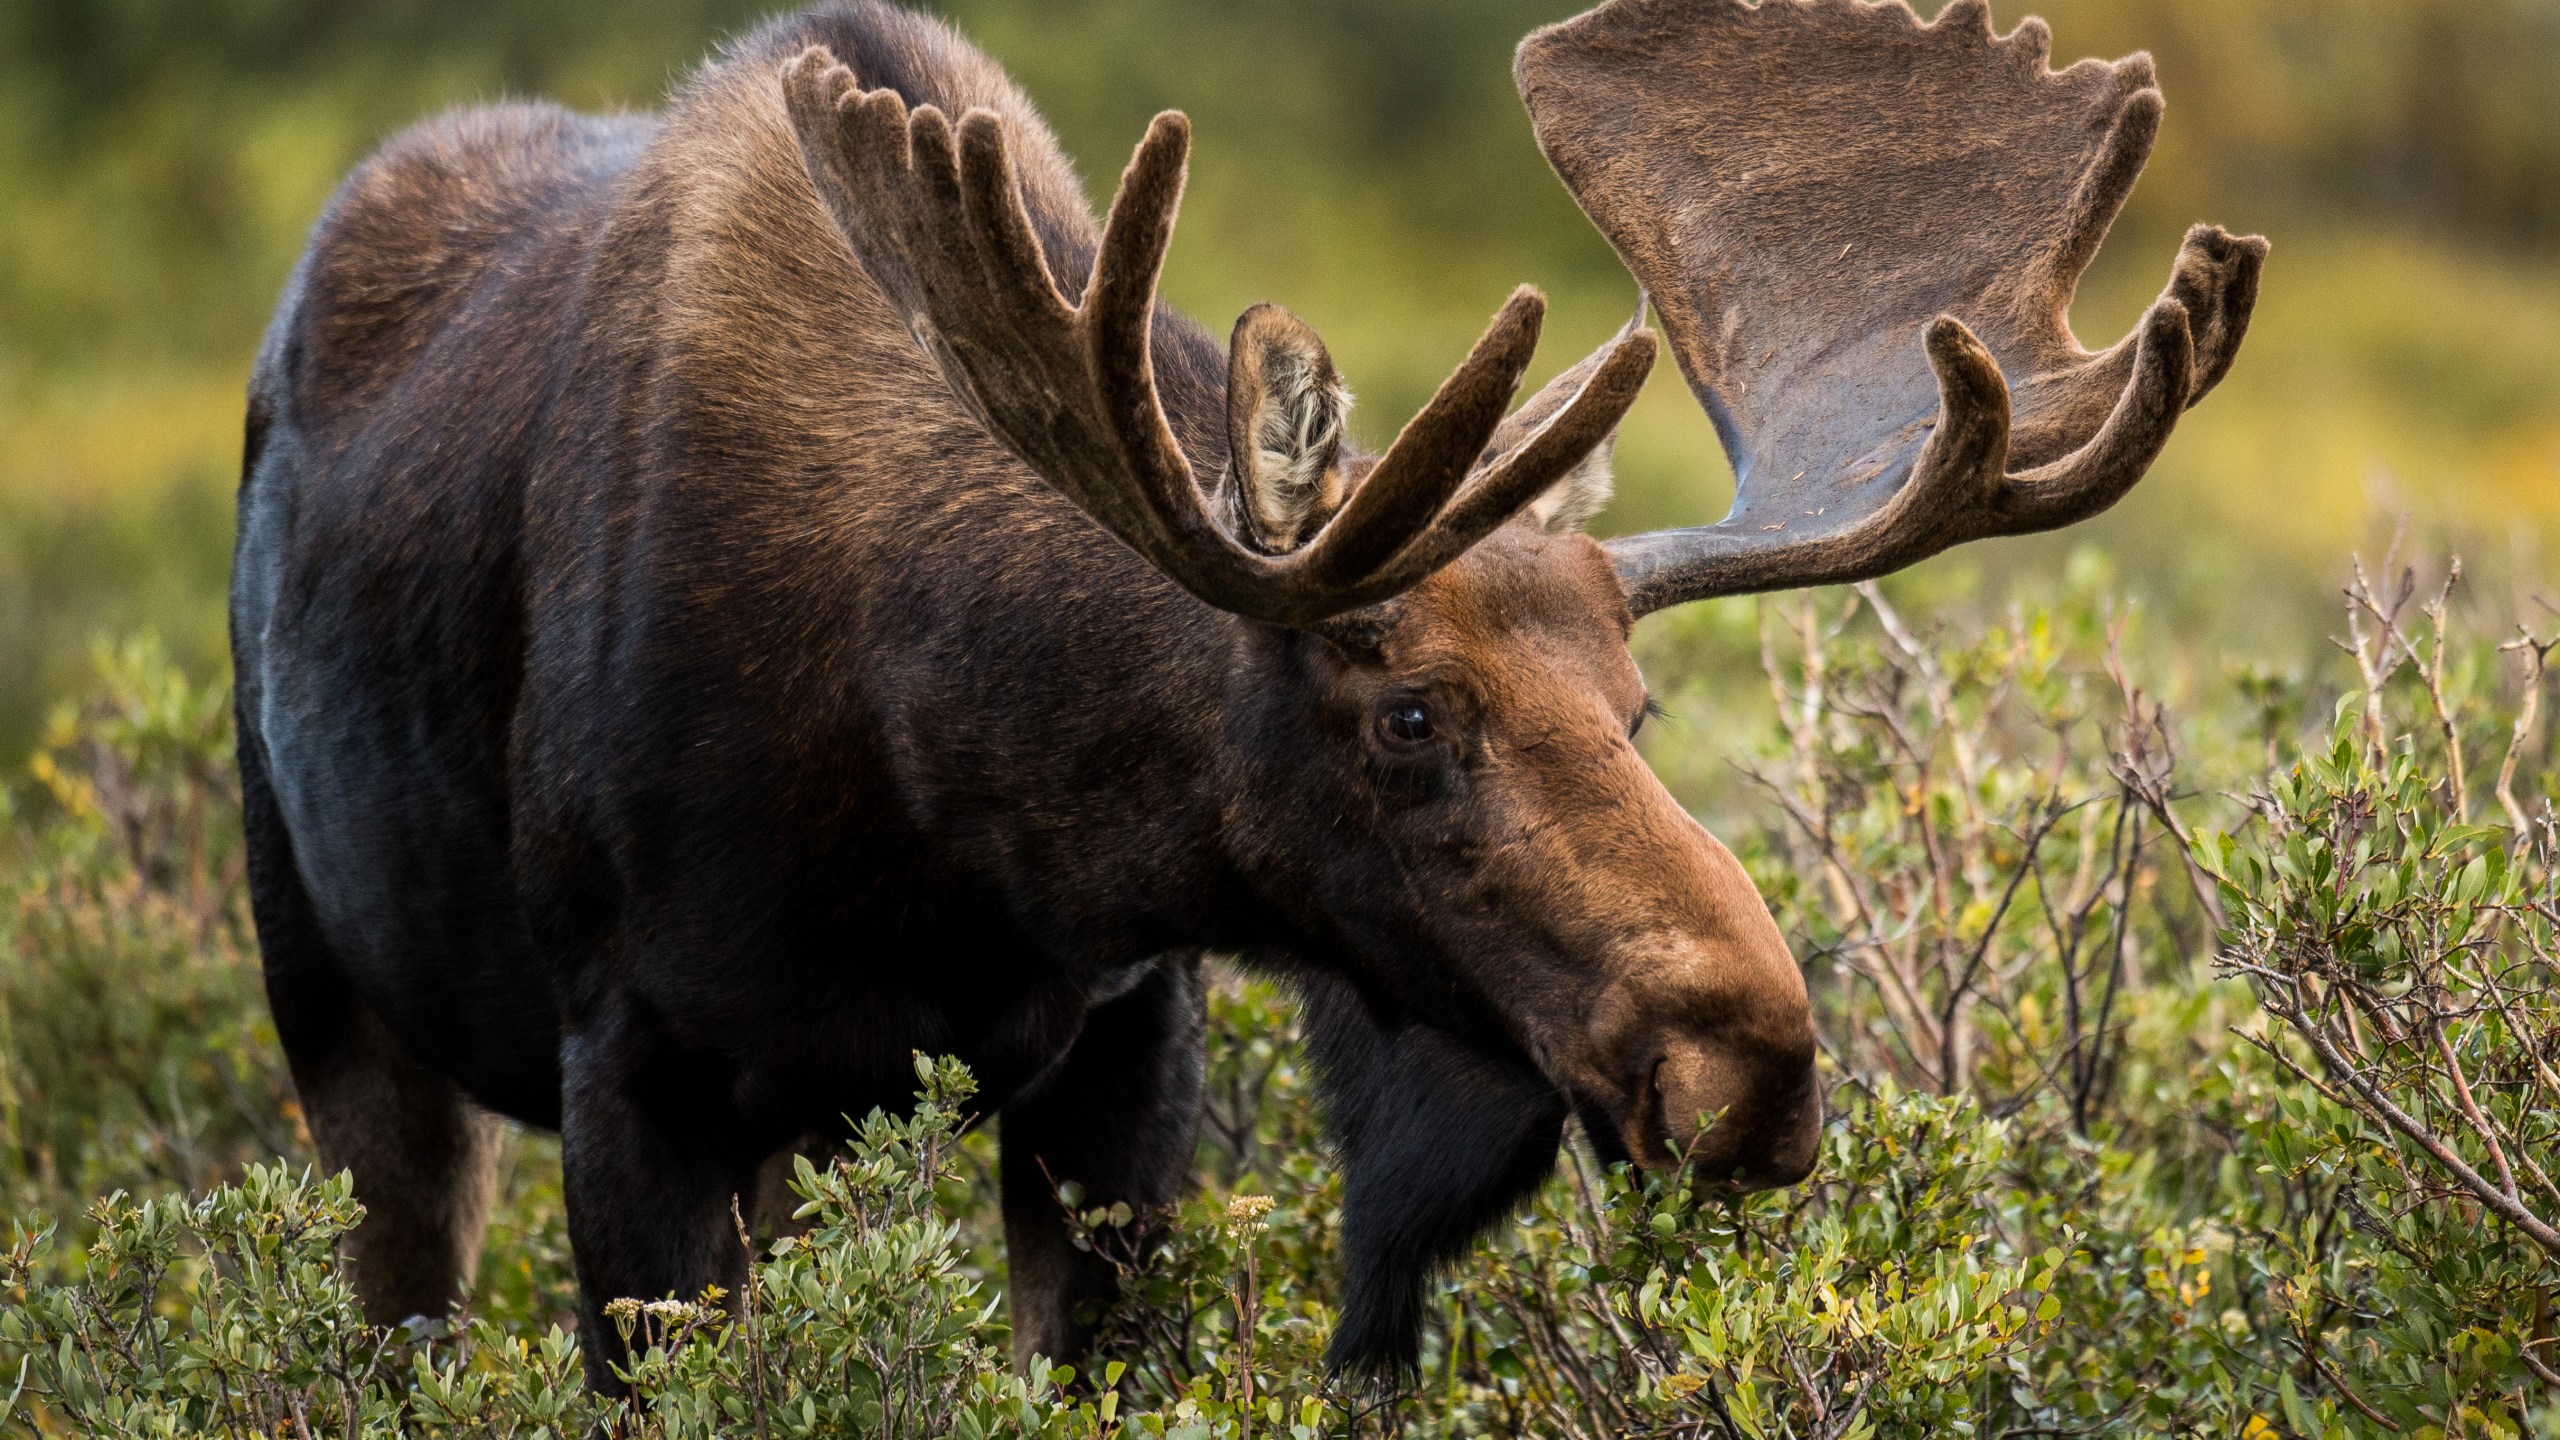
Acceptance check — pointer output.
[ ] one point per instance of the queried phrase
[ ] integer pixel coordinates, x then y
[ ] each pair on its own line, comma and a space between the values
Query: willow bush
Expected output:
2194, 1071
135, 1050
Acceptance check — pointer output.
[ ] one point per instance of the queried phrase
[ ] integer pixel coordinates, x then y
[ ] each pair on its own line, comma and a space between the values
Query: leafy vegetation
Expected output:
2192, 1076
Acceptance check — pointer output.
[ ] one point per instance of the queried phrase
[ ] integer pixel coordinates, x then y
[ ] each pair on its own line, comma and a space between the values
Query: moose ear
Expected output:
1285, 411
1572, 501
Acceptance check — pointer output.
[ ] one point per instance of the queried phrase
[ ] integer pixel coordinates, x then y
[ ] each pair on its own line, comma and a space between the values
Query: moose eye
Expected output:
1405, 722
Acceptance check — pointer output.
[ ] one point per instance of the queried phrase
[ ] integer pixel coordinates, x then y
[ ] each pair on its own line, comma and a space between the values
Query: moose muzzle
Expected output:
1748, 1114
1703, 1048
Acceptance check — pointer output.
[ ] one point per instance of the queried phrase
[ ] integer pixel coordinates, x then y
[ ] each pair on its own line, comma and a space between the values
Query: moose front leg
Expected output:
1117, 1118
1437, 1139
650, 1166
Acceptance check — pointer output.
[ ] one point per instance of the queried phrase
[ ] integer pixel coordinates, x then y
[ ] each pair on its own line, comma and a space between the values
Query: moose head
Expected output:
1862, 235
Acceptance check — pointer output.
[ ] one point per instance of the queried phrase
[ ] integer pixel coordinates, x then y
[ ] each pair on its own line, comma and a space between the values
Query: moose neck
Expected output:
1104, 708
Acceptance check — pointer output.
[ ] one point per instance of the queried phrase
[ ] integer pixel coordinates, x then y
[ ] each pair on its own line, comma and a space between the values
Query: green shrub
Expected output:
135, 1049
2410, 1242
224, 1316
228, 1317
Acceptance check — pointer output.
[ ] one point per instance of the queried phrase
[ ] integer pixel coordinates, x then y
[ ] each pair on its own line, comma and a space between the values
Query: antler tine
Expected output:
936, 213
1121, 296
2109, 182
1095, 339
987, 188
2216, 280
2098, 474
1525, 473
1117, 315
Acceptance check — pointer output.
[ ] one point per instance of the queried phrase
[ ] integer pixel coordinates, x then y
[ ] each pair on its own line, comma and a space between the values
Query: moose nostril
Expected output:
1688, 1095
1762, 1115
1695, 1127
1654, 1103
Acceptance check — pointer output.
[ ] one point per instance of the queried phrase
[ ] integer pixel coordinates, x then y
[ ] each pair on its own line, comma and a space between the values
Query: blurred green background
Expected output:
1365, 163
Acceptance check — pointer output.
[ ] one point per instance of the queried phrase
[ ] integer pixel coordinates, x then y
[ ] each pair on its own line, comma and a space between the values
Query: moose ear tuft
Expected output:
1583, 491
1285, 411
1580, 496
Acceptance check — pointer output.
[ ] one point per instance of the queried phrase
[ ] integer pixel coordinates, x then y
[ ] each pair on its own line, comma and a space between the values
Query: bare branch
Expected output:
2376, 1103
2536, 653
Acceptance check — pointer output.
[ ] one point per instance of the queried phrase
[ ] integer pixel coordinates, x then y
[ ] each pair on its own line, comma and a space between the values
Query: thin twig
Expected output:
2377, 1103
2537, 656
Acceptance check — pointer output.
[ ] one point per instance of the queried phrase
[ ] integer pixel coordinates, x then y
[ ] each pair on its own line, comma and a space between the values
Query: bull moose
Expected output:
728, 599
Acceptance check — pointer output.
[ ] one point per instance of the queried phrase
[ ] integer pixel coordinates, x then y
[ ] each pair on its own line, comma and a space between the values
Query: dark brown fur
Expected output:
664, 709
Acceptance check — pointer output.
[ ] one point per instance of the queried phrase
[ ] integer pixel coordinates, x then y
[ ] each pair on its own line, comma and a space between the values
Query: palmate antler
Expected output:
935, 216
1854, 227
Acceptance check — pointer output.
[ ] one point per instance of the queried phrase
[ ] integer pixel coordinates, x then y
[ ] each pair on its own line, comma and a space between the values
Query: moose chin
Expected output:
728, 599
